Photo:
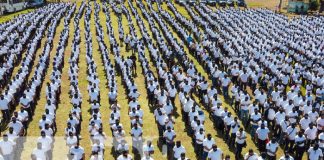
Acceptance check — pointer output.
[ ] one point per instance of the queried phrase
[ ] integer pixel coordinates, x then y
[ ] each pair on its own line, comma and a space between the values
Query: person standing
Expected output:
251, 155
300, 141
272, 148
208, 144
215, 153
7, 148
314, 153
178, 150
240, 143
169, 136
261, 136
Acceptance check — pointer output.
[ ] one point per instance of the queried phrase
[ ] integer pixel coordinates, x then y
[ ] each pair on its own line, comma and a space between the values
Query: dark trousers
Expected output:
238, 151
262, 145
170, 150
289, 144
199, 150
6, 114
271, 157
299, 153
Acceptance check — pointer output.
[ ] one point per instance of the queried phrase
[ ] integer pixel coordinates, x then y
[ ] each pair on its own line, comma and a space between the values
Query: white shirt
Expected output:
215, 155
178, 151
253, 157
262, 133
71, 141
6, 147
77, 152
315, 154
46, 142
39, 153
300, 139
304, 123
272, 147
311, 133
291, 132
208, 144
121, 157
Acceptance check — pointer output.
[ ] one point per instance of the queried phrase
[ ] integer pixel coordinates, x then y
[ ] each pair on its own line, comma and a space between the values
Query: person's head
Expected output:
214, 147
13, 119
209, 137
43, 134
201, 130
169, 129
183, 156
262, 126
251, 152
311, 125
46, 126
273, 140
125, 153
227, 157
287, 154
178, 143
263, 155
300, 133
70, 134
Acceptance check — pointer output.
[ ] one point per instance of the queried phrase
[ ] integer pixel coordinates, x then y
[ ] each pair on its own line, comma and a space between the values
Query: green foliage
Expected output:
313, 5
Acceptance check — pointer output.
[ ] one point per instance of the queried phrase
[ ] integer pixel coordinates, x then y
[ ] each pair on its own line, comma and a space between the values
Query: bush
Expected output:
313, 5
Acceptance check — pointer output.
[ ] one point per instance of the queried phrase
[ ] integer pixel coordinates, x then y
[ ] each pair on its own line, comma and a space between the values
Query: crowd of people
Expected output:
262, 77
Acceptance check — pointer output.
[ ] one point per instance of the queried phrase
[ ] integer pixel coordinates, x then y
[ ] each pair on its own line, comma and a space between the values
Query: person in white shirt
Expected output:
71, 140
147, 157
136, 134
178, 149
235, 126
287, 156
77, 152
272, 148
310, 133
7, 148
199, 138
39, 152
240, 142
300, 144
290, 133
96, 156
315, 153
169, 136
4, 102
320, 123
183, 157
208, 144
215, 153
47, 144
227, 125
304, 122
148, 148
251, 155
262, 134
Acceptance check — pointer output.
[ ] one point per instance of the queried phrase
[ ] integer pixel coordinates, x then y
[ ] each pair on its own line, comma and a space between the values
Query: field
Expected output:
150, 128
